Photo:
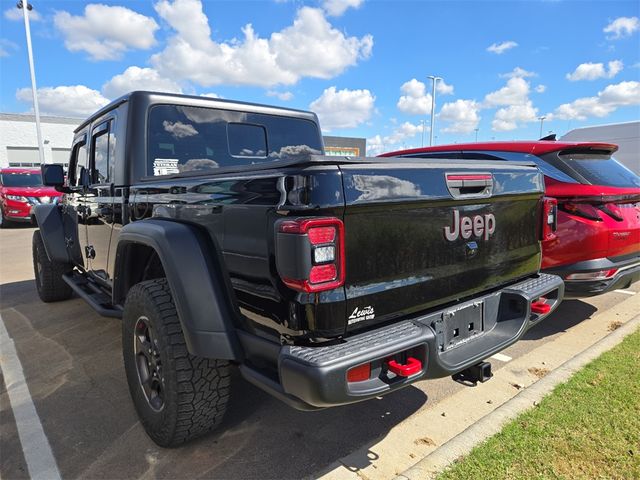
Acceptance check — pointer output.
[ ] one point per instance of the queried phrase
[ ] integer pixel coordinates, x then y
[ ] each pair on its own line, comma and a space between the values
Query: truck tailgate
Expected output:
423, 234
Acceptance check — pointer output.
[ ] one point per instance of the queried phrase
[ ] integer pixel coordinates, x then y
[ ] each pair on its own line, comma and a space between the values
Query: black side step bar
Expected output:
92, 294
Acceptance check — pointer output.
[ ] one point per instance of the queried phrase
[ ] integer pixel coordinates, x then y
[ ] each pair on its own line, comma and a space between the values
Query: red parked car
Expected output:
596, 245
20, 190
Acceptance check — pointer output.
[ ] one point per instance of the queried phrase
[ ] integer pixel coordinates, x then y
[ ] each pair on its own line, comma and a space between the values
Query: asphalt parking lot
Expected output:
71, 359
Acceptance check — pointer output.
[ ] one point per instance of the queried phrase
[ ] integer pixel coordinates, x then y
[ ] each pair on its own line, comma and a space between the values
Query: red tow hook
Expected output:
412, 366
540, 306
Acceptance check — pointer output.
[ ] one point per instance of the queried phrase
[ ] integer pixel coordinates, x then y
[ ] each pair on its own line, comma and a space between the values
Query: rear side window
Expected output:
247, 140
599, 169
182, 139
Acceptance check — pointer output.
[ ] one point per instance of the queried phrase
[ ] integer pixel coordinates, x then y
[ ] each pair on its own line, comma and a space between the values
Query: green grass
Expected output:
586, 428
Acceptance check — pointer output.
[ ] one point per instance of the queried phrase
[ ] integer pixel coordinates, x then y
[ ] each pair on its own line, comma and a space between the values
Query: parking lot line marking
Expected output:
35, 446
628, 292
501, 357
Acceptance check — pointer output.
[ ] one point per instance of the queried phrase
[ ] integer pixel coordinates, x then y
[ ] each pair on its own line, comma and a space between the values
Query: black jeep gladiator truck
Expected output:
224, 238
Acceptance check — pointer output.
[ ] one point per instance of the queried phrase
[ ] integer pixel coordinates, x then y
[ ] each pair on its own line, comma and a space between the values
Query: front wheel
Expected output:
178, 396
48, 273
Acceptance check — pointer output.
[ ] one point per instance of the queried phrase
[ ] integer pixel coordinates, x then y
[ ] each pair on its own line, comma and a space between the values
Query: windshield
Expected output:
21, 179
600, 169
182, 139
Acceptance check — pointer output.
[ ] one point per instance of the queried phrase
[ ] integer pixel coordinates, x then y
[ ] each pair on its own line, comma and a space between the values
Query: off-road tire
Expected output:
195, 390
48, 274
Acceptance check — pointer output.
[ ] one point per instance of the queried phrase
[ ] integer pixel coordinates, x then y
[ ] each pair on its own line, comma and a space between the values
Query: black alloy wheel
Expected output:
148, 363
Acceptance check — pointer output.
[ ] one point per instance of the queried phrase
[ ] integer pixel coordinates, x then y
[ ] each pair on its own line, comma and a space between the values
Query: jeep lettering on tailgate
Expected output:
481, 226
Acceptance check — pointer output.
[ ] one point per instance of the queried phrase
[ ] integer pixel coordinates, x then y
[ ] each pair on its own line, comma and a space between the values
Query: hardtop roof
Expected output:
197, 101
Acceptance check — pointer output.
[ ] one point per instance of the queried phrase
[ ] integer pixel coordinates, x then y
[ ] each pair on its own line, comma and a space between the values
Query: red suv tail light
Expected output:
310, 253
597, 208
549, 218
583, 210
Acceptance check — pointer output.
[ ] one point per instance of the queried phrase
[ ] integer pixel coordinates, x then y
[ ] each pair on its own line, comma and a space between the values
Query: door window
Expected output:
103, 153
78, 163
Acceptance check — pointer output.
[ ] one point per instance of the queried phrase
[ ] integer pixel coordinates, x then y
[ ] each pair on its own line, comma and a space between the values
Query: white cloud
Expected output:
605, 102
593, 71
7, 47
500, 48
508, 118
513, 98
443, 88
210, 95
403, 132
16, 15
136, 78
106, 32
515, 92
73, 100
310, 47
621, 94
343, 108
395, 140
335, 8
583, 108
376, 145
284, 96
622, 27
462, 116
415, 100
518, 72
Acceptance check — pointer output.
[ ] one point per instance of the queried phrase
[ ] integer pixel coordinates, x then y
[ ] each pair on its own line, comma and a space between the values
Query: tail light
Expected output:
310, 253
360, 373
549, 218
612, 210
593, 207
584, 210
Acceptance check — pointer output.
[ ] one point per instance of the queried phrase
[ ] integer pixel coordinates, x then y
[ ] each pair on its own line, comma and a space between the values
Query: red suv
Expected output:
596, 245
20, 190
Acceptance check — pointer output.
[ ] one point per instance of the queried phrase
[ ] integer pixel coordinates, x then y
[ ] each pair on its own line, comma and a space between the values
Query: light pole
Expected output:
476, 130
26, 7
433, 106
541, 122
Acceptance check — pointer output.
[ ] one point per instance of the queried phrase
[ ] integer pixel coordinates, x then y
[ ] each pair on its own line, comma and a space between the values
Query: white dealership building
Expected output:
19, 141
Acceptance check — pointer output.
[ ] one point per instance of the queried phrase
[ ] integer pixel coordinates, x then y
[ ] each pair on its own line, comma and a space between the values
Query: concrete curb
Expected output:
431, 465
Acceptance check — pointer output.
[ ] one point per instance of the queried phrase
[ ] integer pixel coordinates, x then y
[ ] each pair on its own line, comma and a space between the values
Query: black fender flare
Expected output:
52, 225
198, 283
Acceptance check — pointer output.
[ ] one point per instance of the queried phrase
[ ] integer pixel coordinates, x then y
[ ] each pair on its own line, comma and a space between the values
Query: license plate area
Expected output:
460, 325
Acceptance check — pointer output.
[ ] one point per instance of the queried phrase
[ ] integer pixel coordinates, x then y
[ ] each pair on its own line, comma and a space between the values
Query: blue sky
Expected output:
361, 65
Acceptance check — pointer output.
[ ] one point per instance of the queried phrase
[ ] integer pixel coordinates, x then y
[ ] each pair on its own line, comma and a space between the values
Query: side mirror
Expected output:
52, 175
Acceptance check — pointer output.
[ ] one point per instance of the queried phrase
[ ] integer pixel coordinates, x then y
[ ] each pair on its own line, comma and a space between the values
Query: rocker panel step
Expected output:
98, 300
